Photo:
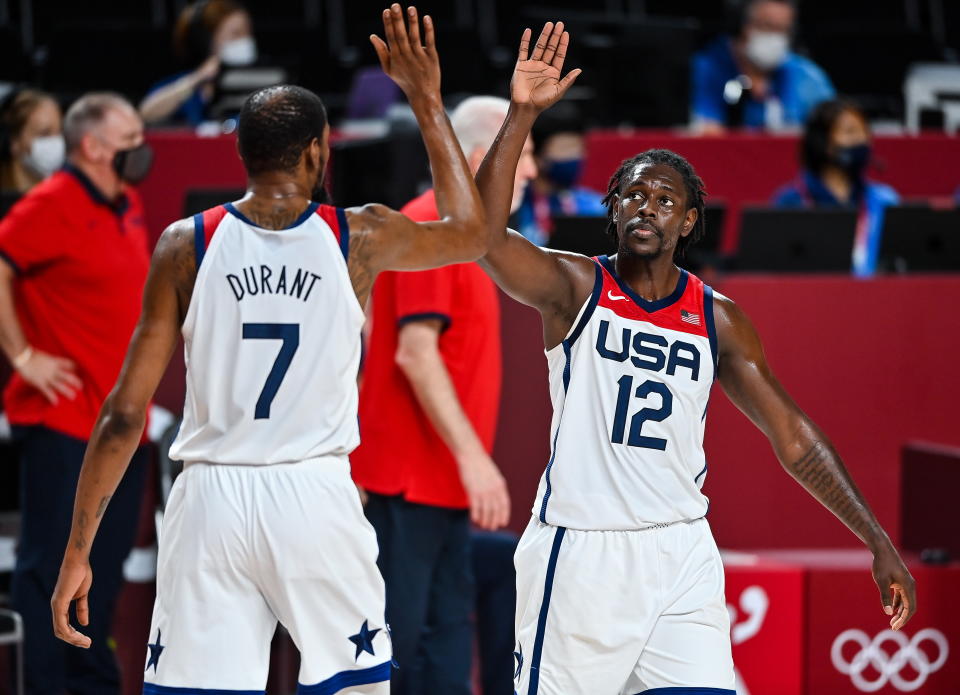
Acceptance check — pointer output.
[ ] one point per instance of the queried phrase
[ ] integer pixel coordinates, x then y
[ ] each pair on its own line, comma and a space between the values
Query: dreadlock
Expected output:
692, 182
276, 125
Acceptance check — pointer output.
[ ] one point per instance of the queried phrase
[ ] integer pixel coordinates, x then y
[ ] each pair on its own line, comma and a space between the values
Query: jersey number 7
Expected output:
289, 333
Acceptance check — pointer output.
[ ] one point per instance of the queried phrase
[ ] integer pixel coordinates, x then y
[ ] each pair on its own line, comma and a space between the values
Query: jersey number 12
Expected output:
636, 422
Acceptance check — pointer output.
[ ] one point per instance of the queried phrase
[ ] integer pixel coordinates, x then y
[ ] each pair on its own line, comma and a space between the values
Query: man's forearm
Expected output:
437, 396
815, 464
453, 185
495, 177
114, 441
12, 340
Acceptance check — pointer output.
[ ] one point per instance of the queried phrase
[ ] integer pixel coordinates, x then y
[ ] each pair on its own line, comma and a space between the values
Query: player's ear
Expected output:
615, 206
689, 222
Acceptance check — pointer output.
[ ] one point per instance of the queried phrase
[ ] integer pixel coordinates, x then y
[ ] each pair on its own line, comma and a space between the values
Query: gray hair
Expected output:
476, 122
87, 112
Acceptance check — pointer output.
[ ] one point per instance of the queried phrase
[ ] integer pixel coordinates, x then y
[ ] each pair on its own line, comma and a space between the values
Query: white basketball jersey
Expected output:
630, 385
272, 341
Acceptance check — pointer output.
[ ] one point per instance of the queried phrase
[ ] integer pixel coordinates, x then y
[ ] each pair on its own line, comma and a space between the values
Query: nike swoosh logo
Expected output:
615, 297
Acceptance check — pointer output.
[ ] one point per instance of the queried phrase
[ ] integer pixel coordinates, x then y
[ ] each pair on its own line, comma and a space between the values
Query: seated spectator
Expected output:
208, 33
31, 139
835, 153
559, 151
753, 79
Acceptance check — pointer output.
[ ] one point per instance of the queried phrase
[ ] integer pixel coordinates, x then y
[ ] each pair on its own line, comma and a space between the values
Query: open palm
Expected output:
536, 78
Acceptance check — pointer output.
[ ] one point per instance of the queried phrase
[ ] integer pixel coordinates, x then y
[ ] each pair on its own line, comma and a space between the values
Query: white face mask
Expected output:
767, 49
239, 51
46, 155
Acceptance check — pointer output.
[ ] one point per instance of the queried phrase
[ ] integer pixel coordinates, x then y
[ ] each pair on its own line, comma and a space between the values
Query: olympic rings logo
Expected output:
889, 666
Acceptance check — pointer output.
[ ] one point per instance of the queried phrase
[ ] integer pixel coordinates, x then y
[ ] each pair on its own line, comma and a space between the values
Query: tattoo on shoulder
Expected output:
358, 264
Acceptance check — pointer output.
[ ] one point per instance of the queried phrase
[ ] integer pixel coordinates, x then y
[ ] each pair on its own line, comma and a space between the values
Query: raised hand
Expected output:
536, 78
414, 67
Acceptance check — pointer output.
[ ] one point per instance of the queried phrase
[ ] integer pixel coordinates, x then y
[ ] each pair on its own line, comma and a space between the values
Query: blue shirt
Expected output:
799, 85
193, 110
870, 197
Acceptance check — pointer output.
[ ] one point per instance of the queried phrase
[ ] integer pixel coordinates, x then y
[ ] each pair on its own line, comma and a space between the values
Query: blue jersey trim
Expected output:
153, 689
347, 679
591, 307
199, 238
645, 304
544, 610
711, 326
344, 232
689, 691
11, 263
556, 435
701, 472
444, 319
304, 216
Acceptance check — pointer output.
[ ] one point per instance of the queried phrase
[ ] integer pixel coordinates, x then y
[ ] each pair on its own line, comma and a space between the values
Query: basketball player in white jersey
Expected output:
619, 582
264, 523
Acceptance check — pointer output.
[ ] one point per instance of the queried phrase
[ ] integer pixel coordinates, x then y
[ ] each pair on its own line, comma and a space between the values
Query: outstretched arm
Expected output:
805, 452
382, 239
120, 423
554, 282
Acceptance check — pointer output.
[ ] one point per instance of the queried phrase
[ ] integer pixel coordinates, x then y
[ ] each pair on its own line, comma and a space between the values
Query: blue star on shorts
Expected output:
364, 640
155, 651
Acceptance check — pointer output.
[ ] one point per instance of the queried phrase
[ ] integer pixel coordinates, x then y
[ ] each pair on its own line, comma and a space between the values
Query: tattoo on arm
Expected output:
81, 541
102, 507
820, 471
358, 266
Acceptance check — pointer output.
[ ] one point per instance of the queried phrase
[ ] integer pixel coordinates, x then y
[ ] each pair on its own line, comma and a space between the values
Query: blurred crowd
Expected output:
433, 360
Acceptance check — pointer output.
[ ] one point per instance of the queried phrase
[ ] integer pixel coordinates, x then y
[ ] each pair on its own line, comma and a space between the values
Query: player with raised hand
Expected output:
633, 346
264, 523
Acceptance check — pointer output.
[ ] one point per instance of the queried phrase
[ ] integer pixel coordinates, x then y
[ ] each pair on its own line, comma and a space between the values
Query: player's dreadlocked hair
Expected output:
276, 125
692, 182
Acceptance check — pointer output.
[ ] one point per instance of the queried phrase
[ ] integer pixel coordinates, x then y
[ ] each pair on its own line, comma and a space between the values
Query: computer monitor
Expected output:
920, 238
811, 241
585, 235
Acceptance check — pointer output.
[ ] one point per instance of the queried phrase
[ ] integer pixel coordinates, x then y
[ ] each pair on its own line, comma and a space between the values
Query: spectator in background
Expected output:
753, 79
835, 152
428, 414
31, 139
208, 33
560, 148
75, 259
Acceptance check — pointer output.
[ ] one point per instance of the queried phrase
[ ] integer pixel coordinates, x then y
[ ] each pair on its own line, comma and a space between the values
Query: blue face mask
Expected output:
854, 159
564, 173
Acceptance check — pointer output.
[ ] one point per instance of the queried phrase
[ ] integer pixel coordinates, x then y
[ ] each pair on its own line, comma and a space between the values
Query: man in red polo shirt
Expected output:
75, 261
428, 414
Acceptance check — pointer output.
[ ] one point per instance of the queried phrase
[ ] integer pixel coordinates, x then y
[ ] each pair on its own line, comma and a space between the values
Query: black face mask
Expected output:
133, 165
854, 159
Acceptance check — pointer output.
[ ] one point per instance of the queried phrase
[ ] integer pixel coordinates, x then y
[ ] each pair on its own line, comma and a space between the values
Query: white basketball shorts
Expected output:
621, 612
243, 547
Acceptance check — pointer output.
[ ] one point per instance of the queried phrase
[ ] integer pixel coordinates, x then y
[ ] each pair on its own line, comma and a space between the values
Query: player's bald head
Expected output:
276, 125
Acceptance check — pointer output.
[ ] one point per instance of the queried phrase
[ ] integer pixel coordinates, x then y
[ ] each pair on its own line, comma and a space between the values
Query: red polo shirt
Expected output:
400, 452
81, 263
